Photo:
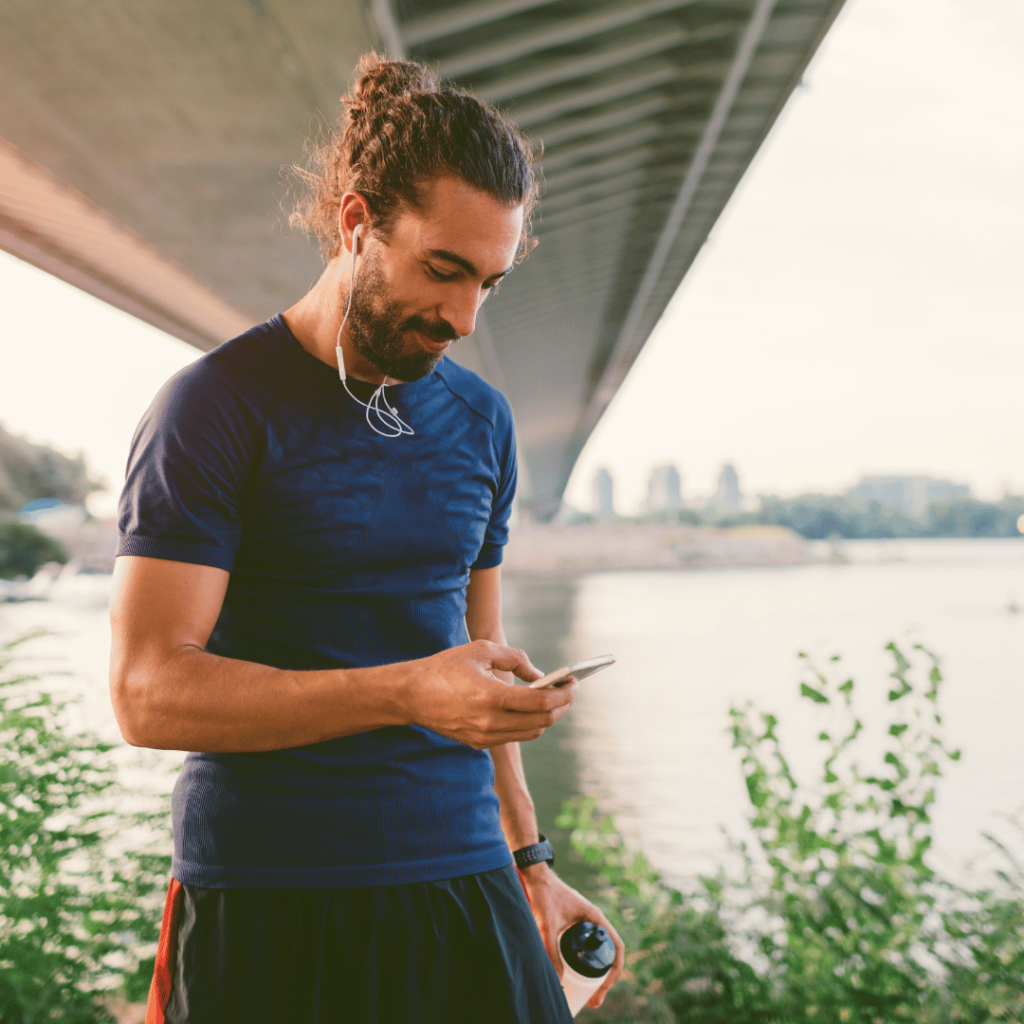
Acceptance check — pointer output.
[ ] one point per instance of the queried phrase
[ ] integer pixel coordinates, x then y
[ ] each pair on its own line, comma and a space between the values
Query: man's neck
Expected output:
314, 321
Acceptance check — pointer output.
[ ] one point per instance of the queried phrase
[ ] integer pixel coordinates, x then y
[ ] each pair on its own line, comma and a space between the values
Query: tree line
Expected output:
30, 471
852, 517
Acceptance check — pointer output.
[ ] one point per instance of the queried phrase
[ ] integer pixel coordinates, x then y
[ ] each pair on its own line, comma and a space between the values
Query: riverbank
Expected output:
545, 549
541, 549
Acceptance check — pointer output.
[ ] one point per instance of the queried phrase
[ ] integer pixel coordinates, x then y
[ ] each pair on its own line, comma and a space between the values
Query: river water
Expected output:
648, 737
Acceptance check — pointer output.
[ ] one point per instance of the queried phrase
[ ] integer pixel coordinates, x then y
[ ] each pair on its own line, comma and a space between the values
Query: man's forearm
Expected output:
199, 701
170, 693
518, 817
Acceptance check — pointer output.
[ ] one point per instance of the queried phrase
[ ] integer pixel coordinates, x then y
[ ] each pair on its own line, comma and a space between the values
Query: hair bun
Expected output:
379, 82
402, 128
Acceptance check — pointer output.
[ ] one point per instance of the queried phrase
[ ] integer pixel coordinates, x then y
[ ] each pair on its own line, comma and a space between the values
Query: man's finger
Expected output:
511, 659
551, 947
523, 699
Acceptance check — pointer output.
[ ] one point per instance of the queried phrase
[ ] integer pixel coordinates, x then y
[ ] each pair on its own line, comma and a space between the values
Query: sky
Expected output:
857, 308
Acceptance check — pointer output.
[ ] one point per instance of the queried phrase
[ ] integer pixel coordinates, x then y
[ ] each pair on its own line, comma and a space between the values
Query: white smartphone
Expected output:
580, 670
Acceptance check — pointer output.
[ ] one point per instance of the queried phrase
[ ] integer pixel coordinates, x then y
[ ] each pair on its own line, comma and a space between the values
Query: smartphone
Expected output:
580, 670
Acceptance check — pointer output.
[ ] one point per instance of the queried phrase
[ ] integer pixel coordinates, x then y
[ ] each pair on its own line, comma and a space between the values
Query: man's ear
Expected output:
353, 217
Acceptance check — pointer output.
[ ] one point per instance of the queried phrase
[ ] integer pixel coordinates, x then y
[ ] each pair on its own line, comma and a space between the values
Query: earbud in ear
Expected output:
355, 238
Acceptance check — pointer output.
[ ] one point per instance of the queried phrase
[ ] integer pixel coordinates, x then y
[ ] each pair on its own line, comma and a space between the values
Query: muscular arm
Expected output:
483, 620
169, 693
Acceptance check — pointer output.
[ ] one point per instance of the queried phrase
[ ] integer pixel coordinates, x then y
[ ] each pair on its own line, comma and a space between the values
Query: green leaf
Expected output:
816, 695
755, 787
898, 730
904, 689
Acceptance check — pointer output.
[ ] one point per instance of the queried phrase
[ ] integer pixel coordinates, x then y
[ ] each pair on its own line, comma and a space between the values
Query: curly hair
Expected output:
399, 130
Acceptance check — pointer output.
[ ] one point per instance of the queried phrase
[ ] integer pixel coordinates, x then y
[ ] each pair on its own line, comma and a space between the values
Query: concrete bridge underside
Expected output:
142, 145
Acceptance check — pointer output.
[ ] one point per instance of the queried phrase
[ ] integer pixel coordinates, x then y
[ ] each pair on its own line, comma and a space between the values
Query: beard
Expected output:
377, 325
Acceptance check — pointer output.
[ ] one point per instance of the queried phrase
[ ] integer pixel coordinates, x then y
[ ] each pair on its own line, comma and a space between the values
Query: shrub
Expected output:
836, 915
76, 910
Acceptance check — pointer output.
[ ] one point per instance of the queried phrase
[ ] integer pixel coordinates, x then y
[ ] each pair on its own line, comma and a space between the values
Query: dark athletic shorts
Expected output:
455, 951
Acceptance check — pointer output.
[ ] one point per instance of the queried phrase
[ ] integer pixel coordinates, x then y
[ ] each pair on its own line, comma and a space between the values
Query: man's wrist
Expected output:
537, 873
404, 677
539, 852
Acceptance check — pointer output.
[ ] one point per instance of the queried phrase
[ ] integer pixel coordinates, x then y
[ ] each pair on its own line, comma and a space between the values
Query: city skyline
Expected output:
911, 491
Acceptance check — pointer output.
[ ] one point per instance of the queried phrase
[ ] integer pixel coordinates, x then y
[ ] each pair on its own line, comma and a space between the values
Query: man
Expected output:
308, 594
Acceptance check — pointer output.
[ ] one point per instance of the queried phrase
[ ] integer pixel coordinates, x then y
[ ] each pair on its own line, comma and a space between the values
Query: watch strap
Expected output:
535, 853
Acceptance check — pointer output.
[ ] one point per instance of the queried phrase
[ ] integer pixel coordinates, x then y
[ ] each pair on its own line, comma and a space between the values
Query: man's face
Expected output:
418, 291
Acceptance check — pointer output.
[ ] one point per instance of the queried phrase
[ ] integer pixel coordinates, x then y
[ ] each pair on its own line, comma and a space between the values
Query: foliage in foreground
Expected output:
836, 915
75, 912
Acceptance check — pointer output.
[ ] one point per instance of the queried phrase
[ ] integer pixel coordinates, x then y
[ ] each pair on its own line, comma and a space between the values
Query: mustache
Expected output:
440, 330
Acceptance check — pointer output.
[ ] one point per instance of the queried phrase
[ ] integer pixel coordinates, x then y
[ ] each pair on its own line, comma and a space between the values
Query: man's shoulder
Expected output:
247, 370
480, 396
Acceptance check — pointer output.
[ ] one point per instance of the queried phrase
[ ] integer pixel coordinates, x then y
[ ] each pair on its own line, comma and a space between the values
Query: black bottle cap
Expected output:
588, 949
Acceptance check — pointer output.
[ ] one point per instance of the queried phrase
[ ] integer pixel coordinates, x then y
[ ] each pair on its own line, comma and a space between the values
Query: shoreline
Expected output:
551, 550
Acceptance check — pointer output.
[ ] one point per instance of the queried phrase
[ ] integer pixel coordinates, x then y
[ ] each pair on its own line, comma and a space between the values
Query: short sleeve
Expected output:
496, 535
188, 471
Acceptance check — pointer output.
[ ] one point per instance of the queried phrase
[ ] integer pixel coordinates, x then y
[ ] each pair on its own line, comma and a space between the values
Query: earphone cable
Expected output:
386, 414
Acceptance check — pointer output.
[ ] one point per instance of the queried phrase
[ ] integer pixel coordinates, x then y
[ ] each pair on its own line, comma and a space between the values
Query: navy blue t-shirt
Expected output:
346, 549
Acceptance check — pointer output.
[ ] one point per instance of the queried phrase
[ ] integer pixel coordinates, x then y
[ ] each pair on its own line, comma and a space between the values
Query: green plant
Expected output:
983, 959
680, 964
836, 913
851, 896
76, 907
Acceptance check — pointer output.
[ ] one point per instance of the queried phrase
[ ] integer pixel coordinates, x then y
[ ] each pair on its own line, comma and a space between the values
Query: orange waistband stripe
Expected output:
163, 971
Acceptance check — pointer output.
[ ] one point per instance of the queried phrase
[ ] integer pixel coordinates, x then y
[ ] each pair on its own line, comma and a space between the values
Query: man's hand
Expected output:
556, 906
456, 694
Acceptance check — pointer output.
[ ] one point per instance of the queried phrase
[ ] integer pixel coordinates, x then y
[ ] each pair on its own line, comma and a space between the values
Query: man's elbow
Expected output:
132, 702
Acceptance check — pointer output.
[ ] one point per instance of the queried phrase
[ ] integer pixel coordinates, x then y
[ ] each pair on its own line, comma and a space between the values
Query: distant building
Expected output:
728, 495
604, 494
913, 494
664, 489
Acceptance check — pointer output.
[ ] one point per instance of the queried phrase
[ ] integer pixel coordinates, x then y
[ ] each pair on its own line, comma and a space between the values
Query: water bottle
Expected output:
588, 953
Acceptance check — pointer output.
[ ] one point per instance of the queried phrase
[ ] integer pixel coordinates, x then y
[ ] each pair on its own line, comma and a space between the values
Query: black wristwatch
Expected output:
535, 853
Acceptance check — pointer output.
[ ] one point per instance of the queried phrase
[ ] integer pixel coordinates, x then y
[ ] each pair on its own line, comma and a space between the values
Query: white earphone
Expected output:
377, 408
